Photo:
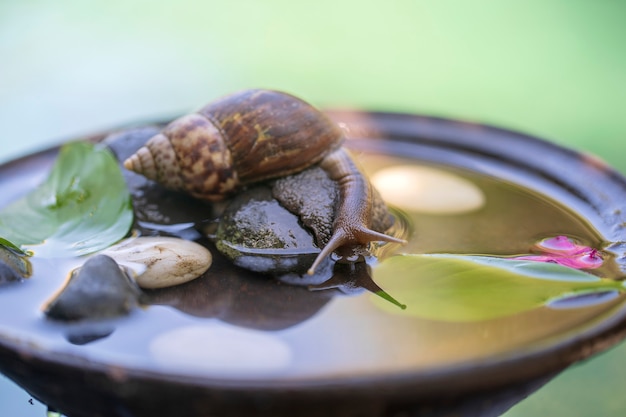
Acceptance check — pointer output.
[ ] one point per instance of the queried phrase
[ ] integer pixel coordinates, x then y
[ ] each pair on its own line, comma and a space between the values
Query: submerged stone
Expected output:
91, 333
97, 290
8, 274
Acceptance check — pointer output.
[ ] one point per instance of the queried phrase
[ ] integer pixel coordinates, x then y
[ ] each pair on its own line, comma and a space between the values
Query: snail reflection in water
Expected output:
256, 135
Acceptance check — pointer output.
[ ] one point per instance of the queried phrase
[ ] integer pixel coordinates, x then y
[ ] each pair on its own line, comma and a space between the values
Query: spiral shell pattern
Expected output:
272, 134
189, 155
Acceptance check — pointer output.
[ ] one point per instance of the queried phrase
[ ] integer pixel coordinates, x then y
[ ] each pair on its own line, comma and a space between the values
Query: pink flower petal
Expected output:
589, 259
561, 245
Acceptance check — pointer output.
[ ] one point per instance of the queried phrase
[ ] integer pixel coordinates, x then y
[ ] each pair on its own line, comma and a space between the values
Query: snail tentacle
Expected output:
353, 237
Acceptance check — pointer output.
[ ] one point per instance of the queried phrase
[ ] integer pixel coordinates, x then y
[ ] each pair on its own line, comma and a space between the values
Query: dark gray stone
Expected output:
97, 290
257, 233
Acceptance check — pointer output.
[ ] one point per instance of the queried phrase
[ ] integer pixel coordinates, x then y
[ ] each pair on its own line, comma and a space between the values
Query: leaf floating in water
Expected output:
473, 288
82, 207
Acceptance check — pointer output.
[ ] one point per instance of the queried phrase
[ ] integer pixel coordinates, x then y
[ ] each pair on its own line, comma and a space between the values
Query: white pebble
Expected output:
160, 262
427, 190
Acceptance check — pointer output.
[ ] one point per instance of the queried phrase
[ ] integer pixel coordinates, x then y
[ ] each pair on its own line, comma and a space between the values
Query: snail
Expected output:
256, 135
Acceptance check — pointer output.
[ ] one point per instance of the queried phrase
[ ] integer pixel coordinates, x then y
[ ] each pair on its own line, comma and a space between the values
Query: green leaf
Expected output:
12, 246
473, 288
82, 207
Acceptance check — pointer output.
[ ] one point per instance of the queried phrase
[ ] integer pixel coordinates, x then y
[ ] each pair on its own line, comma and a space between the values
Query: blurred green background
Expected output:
553, 68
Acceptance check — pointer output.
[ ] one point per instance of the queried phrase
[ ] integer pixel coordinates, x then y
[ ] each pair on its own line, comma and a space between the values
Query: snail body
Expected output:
253, 136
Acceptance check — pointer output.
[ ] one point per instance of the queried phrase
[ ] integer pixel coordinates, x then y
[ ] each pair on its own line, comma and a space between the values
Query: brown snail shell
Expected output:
242, 138
252, 136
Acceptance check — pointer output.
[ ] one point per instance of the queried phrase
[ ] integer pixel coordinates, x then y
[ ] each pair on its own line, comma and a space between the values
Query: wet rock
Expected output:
258, 234
89, 333
312, 196
13, 266
160, 262
278, 228
8, 274
97, 290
